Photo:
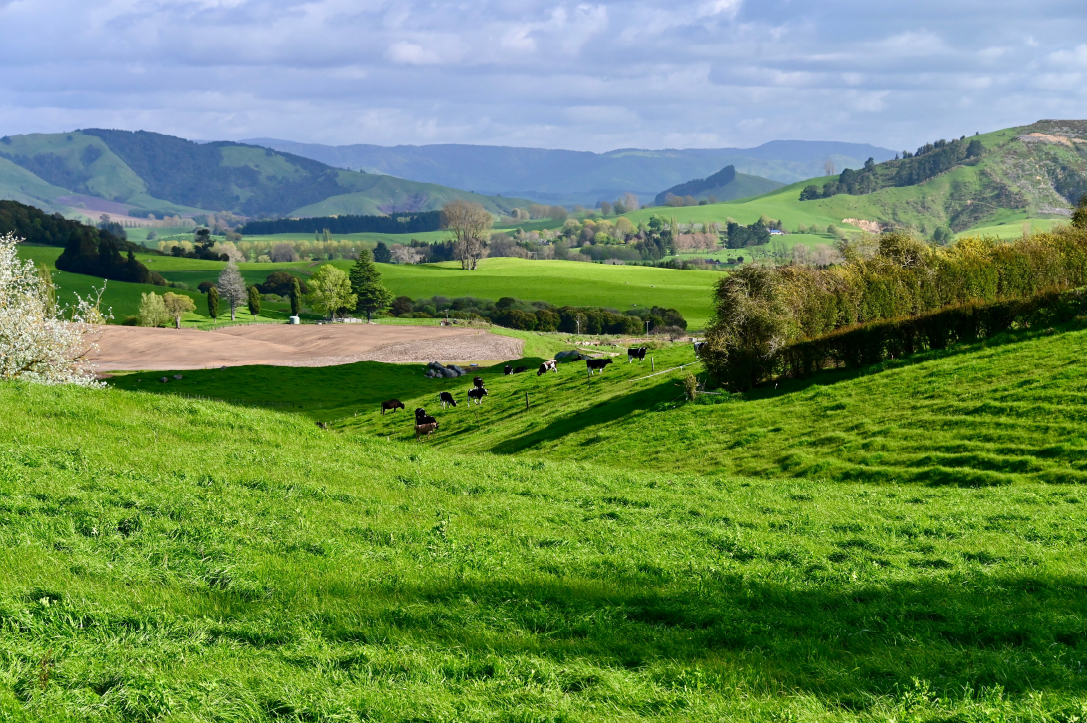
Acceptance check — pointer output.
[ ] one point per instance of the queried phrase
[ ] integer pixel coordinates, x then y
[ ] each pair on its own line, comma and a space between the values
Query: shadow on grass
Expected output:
827, 377
612, 410
1025, 633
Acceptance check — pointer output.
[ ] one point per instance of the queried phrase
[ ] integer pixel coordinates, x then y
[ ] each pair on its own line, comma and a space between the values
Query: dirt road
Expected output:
131, 348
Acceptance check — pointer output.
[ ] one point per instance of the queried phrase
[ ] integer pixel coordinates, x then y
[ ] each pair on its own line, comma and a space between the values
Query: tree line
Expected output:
394, 223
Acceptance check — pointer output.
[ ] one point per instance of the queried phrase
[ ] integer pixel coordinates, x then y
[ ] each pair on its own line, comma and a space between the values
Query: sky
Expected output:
585, 76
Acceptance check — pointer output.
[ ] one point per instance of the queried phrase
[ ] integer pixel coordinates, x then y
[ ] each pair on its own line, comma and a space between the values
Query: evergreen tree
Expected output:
213, 302
382, 255
296, 297
1079, 216
366, 285
254, 301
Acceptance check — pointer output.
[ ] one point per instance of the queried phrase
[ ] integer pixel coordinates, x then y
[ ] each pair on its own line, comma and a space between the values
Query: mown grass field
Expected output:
164, 559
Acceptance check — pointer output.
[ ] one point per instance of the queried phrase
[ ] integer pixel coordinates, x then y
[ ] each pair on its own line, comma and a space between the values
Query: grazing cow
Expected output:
698, 348
476, 393
322, 425
520, 370
595, 364
392, 404
421, 417
548, 366
478, 382
425, 430
637, 352
447, 398
507, 371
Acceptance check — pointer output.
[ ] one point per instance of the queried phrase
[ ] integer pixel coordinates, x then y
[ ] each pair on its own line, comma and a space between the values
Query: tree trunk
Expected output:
177, 322
232, 312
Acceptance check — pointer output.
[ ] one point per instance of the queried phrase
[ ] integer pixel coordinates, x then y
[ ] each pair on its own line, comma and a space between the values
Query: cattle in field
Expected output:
421, 417
392, 404
508, 370
596, 364
637, 352
548, 366
520, 370
698, 348
447, 398
478, 382
425, 430
476, 393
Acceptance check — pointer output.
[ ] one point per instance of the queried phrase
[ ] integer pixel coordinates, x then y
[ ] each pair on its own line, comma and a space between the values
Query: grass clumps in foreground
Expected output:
164, 559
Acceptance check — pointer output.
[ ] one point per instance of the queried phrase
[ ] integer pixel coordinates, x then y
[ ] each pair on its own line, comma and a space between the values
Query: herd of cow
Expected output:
426, 425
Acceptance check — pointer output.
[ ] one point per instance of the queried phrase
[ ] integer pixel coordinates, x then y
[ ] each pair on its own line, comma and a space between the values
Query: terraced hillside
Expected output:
165, 559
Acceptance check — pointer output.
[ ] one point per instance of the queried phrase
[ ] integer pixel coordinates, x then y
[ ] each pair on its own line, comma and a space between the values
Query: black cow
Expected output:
548, 366
421, 417
478, 382
637, 352
507, 371
595, 364
520, 370
392, 404
698, 348
447, 398
476, 393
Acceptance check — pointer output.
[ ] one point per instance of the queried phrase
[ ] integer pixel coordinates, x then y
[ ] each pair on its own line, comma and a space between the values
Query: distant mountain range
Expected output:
580, 177
118, 172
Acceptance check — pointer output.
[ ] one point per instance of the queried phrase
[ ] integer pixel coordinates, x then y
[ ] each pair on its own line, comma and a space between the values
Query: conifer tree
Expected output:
254, 301
213, 302
366, 285
296, 297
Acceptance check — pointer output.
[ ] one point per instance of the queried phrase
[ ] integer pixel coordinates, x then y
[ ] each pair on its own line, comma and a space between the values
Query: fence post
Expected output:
526, 400
653, 363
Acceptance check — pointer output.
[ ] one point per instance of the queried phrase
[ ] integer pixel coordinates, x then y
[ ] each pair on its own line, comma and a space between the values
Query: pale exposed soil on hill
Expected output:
131, 348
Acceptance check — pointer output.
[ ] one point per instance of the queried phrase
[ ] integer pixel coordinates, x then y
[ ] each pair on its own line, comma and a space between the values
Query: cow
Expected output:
698, 348
595, 364
637, 352
477, 382
425, 430
507, 371
392, 404
447, 398
520, 370
548, 366
476, 393
421, 417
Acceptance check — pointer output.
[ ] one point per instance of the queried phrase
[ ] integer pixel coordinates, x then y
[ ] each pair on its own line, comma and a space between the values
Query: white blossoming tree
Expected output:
37, 342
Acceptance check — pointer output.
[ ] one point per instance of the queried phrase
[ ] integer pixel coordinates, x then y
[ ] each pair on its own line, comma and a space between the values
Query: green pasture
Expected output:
1002, 412
558, 282
168, 559
1013, 227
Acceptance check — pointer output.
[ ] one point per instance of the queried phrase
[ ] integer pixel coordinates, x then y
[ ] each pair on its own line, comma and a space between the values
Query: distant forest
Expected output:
51, 229
417, 222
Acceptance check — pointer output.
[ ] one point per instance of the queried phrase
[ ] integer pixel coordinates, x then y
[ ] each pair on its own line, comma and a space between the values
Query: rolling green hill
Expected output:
725, 185
168, 559
165, 174
1027, 173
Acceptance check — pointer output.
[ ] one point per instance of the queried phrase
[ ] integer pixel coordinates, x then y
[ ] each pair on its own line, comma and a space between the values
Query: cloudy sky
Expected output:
587, 76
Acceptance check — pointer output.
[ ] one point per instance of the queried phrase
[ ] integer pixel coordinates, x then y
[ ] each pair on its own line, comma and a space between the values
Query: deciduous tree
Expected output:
232, 287
177, 305
152, 310
469, 224
330, 291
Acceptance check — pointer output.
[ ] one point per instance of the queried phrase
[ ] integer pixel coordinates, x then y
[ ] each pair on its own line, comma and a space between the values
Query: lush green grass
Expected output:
558, 282
1001, 412
164, 559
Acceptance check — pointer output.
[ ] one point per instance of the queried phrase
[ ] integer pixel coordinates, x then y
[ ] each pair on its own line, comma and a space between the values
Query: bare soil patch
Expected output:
132, 348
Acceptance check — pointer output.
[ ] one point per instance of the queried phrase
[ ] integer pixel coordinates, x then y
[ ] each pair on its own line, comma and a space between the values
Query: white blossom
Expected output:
37, 342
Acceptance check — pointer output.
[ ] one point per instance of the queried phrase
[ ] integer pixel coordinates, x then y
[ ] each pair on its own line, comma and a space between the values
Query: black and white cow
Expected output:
447, 398
698, 348
508, 370
548, 366
636, 353
596, 364
476, 393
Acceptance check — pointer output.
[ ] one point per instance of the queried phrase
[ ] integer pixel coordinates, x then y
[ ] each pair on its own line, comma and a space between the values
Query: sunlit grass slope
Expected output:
163, 559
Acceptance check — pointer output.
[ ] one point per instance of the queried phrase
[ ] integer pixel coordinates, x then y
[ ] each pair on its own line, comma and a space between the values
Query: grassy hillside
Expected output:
998, 413
1021, 176
171, 175
165, 559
